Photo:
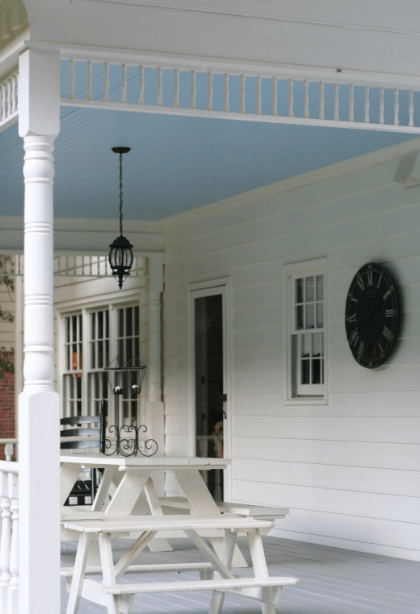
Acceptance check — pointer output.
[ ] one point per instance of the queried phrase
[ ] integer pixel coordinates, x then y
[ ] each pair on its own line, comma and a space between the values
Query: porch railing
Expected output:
9, 540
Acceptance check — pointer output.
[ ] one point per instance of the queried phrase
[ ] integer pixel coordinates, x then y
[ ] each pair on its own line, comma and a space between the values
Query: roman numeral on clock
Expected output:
387, 334
388, 292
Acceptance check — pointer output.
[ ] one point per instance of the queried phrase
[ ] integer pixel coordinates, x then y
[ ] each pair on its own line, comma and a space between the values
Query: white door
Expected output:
209, 389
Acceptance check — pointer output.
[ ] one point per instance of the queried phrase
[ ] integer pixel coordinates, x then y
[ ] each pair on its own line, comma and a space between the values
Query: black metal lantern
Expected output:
126, 380
121, 252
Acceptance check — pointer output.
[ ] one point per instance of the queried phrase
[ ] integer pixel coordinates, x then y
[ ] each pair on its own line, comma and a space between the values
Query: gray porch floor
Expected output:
332, 581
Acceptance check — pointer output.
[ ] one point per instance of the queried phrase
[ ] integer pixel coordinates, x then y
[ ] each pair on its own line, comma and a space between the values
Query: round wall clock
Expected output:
372, 315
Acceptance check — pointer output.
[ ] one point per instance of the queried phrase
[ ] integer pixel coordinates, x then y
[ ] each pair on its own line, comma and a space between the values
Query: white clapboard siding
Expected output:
397, 456
365, 479
351, 466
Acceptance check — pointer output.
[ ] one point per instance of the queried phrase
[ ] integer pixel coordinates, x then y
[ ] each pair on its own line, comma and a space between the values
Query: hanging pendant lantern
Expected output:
121, 252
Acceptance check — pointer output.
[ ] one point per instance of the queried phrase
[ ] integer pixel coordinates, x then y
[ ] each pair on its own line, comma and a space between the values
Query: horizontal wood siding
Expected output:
349, 470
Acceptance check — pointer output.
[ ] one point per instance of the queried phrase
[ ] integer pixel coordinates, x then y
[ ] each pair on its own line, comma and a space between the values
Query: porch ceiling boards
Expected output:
332, 581
176, 163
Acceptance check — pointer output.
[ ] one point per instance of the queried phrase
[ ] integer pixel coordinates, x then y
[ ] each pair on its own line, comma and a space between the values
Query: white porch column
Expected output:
39, 408
154, 406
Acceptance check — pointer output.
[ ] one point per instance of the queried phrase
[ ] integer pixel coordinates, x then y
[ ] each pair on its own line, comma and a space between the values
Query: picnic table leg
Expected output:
78, 573
104, 487
105, 548
226, 555
260, 569
68, 477
158, 544
203, 504
127, 493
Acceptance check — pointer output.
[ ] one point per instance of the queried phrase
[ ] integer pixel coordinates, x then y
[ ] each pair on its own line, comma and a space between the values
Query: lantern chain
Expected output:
121, 195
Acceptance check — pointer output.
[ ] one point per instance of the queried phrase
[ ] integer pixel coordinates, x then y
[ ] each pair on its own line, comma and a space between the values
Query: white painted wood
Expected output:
347, 470
38, 404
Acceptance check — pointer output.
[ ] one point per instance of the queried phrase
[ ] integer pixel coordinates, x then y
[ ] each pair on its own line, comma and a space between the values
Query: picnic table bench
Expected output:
215, 575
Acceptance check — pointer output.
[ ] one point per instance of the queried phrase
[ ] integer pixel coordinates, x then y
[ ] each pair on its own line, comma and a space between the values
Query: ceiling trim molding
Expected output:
267, 9
358, 163
93, 235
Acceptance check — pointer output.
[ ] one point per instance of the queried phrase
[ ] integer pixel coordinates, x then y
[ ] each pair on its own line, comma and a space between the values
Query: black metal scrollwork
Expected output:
128, 446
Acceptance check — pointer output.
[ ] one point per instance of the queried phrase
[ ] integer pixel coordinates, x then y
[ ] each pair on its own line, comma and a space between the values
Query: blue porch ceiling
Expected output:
176, 163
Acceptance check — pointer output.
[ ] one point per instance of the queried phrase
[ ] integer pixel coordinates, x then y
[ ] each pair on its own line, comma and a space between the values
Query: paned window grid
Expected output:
103, 334
128, 347
308, 356
73, 372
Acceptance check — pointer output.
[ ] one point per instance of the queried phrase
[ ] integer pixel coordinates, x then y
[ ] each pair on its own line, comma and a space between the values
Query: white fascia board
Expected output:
85, 236
230, 36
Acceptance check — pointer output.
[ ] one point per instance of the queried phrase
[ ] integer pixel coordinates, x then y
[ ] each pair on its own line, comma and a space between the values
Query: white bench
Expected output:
119, 597
265, 512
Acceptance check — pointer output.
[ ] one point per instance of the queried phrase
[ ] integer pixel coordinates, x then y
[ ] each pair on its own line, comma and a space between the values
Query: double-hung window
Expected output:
306, 331
92, 339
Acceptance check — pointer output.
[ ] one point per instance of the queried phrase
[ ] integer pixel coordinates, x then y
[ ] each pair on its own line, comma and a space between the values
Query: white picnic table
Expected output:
133, 475
135, 492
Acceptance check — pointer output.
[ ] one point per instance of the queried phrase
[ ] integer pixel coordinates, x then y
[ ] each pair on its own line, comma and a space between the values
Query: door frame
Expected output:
199, 290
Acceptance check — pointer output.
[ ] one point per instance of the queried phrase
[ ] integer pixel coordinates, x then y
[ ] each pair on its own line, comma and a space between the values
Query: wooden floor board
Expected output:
332, 581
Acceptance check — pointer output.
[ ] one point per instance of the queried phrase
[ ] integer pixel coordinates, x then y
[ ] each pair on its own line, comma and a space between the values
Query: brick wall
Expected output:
7, 403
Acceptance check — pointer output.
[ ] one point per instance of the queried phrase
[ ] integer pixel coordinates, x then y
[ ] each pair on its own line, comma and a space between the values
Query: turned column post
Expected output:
39, 408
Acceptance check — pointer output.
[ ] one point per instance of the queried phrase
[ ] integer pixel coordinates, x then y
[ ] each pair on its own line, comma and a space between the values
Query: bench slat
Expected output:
194, 585
154, 523
67, 572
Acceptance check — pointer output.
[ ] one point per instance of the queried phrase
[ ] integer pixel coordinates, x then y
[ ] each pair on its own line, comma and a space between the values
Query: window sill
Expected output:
306, 401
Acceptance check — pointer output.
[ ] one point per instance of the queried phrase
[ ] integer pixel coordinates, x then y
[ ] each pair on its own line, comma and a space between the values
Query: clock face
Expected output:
372, 315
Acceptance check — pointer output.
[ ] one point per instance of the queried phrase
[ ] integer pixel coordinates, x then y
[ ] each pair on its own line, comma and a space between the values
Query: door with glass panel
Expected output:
209, 382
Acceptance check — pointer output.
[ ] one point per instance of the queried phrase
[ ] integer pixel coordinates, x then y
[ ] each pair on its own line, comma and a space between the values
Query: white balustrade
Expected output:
369, 105
9, 541
9, 98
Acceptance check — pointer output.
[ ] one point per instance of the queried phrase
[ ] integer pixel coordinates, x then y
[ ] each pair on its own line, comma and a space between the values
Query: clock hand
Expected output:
363, 321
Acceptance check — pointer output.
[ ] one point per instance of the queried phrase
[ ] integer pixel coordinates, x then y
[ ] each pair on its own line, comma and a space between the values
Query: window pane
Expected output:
106, 353
74, 356
319, 287
137, 347
120, 350
317, 349
136, 320
107, 323
299, 290
74, 328
92, 356
309, 316
100, 354
309, 283
68, 363
129, 321
80, 329
320, 315
305, 372
68, 330
316, 371
129, 349
100, 324
299, 317
306, 345
120, 317
93, 325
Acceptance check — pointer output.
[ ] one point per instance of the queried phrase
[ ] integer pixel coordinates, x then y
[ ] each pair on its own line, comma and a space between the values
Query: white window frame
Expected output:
85, 308
294, 394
